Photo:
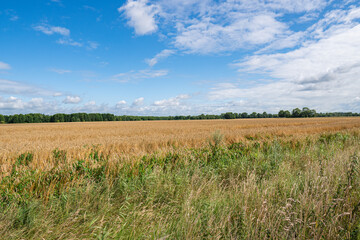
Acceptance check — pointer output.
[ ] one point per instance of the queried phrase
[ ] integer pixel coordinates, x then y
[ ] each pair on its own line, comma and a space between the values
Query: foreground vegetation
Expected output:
97, 117
255, 189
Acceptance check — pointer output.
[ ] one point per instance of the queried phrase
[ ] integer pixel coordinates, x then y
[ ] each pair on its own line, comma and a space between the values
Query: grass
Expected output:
269, 188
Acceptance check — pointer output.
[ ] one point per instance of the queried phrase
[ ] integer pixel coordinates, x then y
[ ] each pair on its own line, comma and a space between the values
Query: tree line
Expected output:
95, 117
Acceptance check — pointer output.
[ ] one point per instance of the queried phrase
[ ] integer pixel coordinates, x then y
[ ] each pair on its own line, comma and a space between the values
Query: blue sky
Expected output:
179, 57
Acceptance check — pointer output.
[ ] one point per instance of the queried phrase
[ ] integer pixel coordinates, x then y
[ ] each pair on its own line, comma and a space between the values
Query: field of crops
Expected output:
211, 179
138, 138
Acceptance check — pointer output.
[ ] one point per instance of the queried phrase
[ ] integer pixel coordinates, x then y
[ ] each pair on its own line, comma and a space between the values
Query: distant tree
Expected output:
253, 115
312, 113
2, 119
305, 112
59, 117
29, 118
296, 113
281, 114
287, 113
229, 115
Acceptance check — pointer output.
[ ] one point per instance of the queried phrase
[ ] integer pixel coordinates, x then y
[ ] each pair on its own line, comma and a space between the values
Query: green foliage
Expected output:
59, 156
273, 189
93, 117
24, 159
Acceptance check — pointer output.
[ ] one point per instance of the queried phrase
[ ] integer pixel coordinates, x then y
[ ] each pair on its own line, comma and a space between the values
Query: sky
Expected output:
179, 57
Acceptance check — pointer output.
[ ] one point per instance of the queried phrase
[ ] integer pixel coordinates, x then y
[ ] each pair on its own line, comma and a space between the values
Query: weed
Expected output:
24, 159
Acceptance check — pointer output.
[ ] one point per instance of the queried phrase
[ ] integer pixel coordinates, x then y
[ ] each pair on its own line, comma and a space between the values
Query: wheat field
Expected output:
139, 138
207, 179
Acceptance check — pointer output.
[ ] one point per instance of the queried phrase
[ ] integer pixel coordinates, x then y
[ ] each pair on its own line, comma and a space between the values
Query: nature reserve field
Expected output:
139, 138
203, 179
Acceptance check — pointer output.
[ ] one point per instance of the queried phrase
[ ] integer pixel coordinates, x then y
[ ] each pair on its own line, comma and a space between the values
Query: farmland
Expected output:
139, 138
209, 179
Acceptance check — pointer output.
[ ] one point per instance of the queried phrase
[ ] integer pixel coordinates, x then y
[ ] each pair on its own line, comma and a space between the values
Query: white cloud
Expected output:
136, 75
296, 6
69, 41
11, 14
72, 100
66, 39
4, 66
50, 30
163, 54
14, 18
312, 61
11, 103
92, 45
121, 104
205, 36
171, 106
15, 105
91, 103
57, 94
91, 107
13, 87
323, 73
171, 102
138, 102
208, 26
141, 16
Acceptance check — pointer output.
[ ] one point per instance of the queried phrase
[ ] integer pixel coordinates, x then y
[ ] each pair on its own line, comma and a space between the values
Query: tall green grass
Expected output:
275, 189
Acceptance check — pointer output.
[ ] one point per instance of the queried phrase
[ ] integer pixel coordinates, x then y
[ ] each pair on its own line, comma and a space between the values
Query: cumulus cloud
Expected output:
13, 105
205, 36
120, 104
175, 101
138, 102
161, 55
208, 26
4, 66
322, 73
313, 61
140, 15
170, 106
72, 100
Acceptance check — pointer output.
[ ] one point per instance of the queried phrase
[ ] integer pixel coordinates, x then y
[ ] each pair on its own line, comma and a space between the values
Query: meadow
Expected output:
208, 179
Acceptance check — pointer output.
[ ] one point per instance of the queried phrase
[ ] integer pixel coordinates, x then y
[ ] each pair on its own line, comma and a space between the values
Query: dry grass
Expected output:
286, 179
138, 138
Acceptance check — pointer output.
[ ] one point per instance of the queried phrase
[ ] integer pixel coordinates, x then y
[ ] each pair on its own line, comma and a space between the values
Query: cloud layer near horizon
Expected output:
318, 65
283, 54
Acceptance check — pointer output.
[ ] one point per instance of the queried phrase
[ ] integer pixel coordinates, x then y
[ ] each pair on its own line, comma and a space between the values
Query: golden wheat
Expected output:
138, 138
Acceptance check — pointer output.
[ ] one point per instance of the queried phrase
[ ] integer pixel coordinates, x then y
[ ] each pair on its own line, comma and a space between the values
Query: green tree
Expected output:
253, 115
287, 113
2, 119
229, 115
281, 114
296, 113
